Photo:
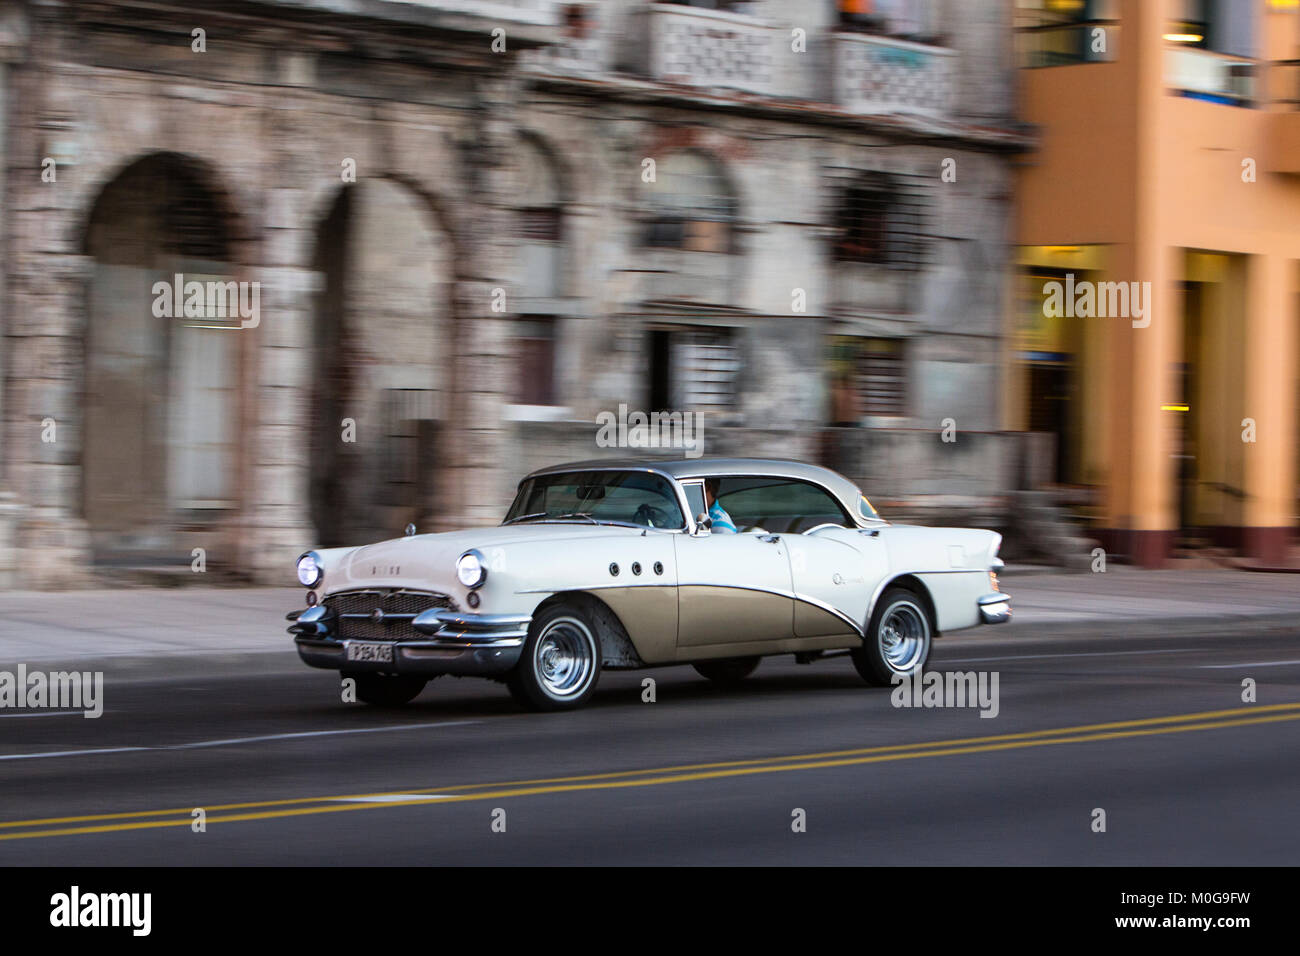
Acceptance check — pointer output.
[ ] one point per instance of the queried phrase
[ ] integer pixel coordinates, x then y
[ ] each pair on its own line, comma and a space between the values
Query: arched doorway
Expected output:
161, 391
383, 344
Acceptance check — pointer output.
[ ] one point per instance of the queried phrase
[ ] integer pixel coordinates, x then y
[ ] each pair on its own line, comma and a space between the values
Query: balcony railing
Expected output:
706, 48
580, 47
880, 75
1207, 75
527, 11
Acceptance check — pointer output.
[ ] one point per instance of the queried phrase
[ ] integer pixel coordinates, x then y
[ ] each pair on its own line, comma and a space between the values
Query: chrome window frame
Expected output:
694, 482
850, 516
683, 506
858, 521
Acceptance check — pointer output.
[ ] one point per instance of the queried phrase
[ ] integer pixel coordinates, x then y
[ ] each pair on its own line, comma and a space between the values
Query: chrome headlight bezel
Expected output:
471, 569
309, 561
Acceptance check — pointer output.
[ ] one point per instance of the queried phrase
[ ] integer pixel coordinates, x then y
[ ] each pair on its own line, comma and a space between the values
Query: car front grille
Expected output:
357, 618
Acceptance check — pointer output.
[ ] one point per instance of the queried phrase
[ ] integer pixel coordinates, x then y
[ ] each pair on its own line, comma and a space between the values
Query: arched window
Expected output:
690, 205
542, 265
539, 194
164, 307
539, 222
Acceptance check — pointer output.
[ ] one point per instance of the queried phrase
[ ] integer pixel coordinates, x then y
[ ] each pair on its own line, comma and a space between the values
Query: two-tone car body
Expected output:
614, 563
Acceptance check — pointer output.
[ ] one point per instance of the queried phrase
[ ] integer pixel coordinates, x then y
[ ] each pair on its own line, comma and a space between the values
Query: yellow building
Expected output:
1157, 327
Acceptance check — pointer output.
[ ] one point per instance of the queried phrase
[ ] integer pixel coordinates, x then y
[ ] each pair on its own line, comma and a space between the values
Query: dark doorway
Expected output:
1049, 411
161, 423
380, 354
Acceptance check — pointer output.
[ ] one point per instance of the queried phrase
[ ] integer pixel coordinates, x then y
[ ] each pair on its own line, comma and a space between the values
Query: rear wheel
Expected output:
387, 690
897, 640
561, 660
728, 671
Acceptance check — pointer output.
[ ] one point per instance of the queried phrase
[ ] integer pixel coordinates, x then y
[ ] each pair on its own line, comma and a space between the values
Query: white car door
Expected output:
731, 588
834, 571
834, 567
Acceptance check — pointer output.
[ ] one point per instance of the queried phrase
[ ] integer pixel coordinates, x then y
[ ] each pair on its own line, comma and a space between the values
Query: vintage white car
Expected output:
618, 564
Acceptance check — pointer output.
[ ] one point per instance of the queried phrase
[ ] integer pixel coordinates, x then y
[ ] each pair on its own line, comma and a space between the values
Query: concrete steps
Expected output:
1040, 529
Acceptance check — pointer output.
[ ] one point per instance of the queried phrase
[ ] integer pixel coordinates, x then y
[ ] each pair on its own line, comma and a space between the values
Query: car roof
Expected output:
685, 468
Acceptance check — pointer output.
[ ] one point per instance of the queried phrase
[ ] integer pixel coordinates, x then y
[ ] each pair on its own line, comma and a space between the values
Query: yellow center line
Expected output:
887, 748
1208, 720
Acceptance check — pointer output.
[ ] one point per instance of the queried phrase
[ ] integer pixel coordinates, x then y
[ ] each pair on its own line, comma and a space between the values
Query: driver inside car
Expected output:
722, 523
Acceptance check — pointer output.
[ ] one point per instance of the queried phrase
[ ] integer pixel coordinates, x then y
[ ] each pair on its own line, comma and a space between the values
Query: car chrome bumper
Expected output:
995, 608
455, 643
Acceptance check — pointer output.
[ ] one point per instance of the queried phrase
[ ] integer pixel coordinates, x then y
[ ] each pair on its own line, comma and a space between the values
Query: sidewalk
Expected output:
1126, 599
137, 626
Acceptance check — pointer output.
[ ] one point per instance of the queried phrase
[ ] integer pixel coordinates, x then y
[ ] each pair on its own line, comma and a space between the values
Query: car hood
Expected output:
426, 561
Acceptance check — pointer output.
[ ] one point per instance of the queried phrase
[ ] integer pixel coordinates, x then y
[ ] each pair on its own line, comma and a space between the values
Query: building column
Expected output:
277, 525
1270, 402
44, 414
477, 472
1141, 501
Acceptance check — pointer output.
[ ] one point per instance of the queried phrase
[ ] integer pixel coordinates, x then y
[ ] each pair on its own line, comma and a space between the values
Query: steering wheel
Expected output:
650, 516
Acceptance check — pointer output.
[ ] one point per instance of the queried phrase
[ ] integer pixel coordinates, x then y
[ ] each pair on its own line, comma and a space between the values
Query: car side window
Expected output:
695, 497
630, 497
780, 505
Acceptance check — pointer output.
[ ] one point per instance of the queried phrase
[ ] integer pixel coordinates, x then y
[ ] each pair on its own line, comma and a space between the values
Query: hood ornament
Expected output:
410, 529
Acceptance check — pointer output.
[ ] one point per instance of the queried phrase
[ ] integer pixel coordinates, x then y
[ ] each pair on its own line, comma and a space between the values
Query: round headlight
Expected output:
471, 570
309, 570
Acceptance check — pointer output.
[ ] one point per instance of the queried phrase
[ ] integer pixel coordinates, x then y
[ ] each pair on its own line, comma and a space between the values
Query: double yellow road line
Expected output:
345, 803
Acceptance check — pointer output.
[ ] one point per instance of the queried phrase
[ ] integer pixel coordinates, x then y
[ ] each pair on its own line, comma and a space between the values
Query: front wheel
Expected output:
560, 663
897, 640
387, 690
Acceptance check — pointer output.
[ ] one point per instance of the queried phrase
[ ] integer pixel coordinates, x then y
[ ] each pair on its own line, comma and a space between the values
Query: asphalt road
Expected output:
1151, 730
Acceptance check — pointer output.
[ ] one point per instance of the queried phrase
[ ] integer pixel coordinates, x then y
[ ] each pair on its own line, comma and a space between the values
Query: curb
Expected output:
284, 660
182, 664
1198, 626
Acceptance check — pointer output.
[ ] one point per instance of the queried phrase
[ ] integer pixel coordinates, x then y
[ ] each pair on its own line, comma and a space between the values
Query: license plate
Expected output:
382, 653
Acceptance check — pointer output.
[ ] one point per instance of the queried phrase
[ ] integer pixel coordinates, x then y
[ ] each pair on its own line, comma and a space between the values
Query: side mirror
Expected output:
703, 523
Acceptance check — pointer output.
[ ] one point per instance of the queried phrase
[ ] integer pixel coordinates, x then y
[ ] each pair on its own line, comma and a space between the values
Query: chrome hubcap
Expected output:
902, 637
565, 657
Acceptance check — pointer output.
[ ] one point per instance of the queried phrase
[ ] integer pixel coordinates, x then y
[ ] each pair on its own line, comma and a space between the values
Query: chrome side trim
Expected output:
802, 598
858, 629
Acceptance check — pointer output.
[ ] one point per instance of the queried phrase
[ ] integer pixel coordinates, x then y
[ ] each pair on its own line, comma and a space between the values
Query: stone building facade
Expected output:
467, 230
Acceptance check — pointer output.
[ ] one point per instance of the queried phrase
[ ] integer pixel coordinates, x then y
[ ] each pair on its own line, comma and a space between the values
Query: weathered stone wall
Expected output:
271, 116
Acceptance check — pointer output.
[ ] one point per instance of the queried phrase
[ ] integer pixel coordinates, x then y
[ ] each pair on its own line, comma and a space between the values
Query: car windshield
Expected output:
638, 498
